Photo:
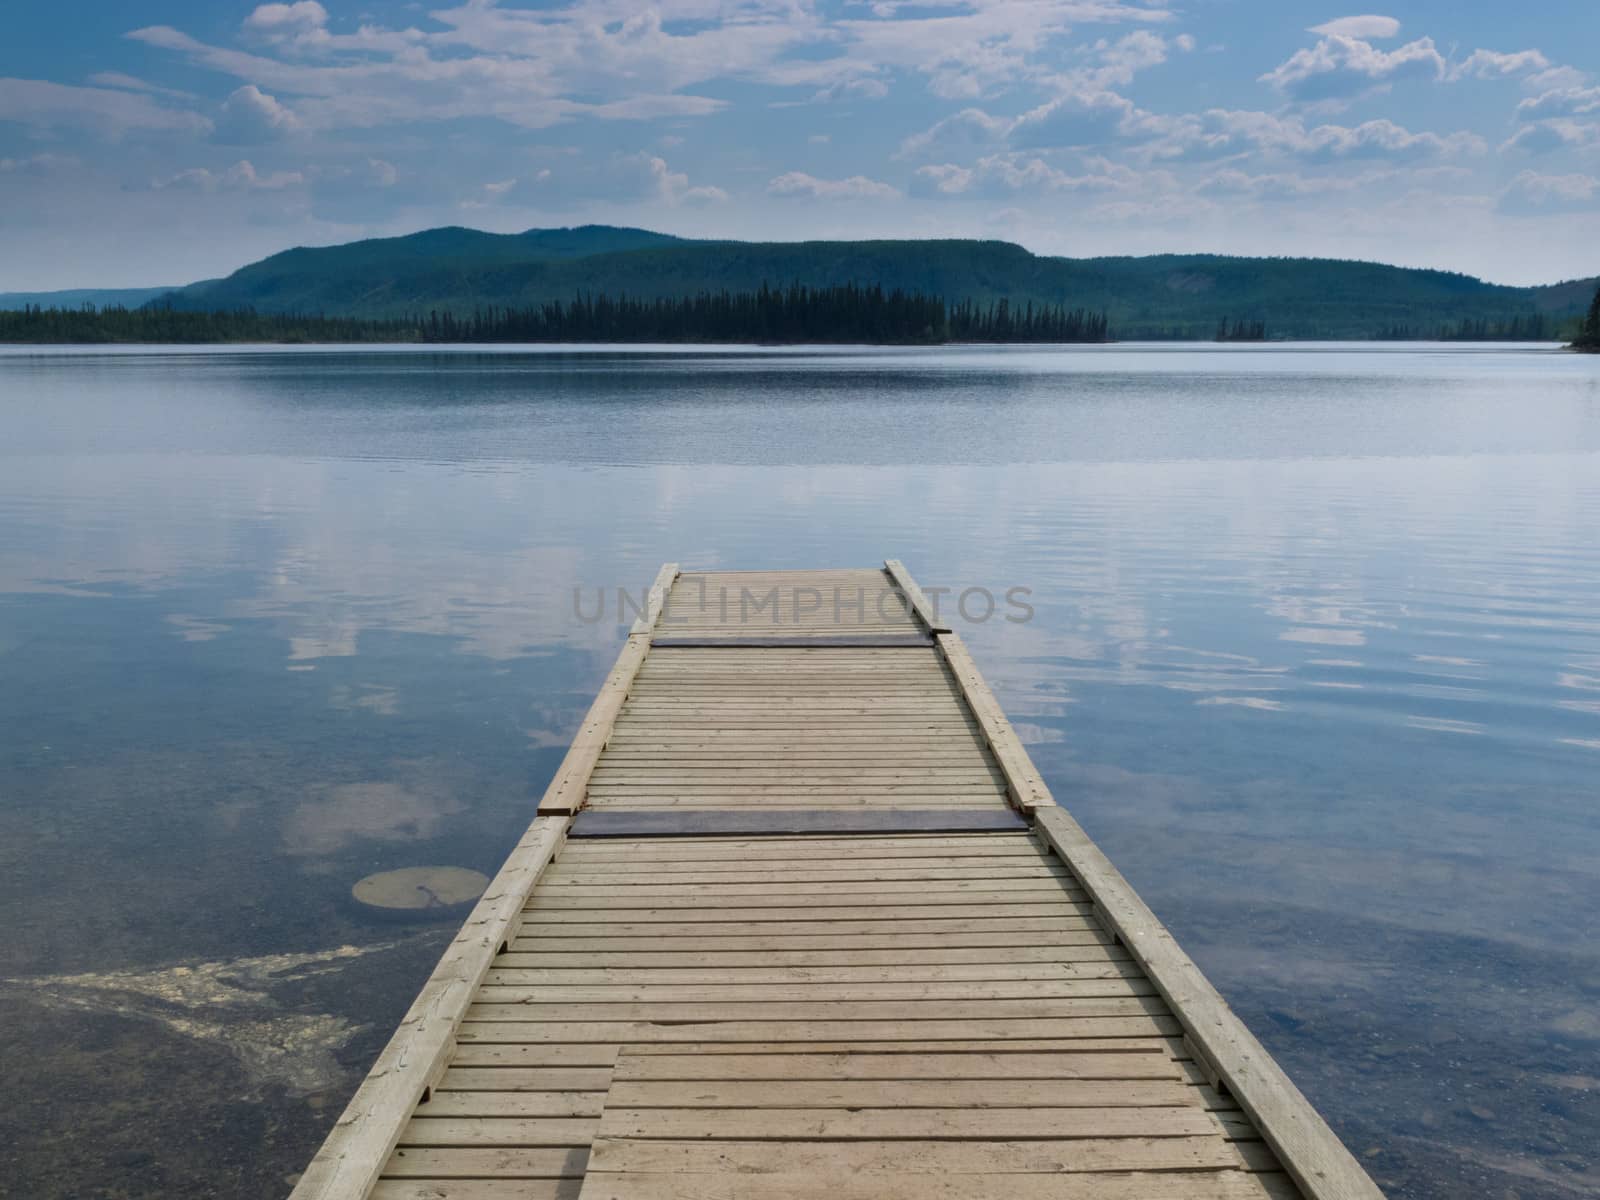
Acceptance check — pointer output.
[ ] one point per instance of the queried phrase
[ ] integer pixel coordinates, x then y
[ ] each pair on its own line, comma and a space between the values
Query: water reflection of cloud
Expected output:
196, 629
372, 697
336, 816
1325, 637
1445, 725
1260, 702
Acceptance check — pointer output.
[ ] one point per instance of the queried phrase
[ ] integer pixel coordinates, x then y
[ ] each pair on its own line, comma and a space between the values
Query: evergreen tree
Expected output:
1589, 334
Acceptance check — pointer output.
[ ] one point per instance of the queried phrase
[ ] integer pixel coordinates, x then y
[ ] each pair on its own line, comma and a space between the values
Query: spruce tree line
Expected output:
1588, 339
1521, 327
1242, 330
1004, 322
794, 315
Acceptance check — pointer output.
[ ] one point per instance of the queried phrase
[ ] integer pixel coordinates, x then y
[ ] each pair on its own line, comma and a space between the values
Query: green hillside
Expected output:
1157, 296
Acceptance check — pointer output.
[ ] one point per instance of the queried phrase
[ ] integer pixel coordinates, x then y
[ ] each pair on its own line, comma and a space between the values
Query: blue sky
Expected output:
159, 142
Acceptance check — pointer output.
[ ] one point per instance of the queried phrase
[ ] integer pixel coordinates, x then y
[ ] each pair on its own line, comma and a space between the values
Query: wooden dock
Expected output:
799, 920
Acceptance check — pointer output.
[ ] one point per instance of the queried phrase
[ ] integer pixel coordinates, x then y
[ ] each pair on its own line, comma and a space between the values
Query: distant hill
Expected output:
78, 297
458, 269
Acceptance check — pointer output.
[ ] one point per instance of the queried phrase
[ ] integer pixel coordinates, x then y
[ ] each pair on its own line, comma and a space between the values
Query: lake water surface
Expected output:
1315, 657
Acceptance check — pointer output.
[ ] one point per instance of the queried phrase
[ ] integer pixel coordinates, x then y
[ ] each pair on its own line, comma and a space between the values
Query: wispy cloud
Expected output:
1339, 67
105, 111
856, 187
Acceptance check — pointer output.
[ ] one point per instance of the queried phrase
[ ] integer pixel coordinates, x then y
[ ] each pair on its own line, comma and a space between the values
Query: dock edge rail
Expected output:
1230, 1055
349, 1162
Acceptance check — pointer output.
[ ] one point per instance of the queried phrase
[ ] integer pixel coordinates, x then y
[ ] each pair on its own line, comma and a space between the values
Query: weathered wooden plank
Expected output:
656, 599
541, 1055
350, 1160
894, 938
1148, 1061
1311, 1153
566, 791
824, 1010
744, 909
933, 865
1028, 788
518, 1103
612, 803
537, 926
928, 881
792, 849
910, 1047
1093, 948
498, 1162
793, 639
875, 1124
628, 1032
499, 1131
863, 894
1212, 1185
597, 823
522, 1079
744, 976
794, 932
918, 602
899, 1095
876, 1161
478, 1189
498, 991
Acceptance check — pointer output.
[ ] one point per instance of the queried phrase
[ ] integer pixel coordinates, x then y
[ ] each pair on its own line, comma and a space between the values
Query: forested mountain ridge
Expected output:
458, 270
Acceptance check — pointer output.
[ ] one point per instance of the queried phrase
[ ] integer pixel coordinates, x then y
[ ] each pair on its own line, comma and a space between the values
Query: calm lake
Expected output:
1315, 656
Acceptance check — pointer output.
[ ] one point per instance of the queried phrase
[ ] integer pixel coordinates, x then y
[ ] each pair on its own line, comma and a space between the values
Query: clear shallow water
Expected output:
1316, 657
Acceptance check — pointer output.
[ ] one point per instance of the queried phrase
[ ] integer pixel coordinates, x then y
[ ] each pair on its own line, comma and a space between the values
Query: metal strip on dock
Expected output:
800, 920
602, 823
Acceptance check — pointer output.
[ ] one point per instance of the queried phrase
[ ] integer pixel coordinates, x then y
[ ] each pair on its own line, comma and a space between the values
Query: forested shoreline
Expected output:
796, 315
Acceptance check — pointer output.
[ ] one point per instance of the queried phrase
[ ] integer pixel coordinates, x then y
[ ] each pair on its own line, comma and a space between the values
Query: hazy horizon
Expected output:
174, 285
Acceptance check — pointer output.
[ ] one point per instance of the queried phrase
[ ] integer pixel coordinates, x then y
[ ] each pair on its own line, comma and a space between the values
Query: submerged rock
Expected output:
420, 891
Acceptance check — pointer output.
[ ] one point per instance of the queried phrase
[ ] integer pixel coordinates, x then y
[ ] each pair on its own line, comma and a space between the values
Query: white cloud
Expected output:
1554, 79
116, 79
946, 179
1366, 27
857, 187
619, 179
241, 177
1340, 67
1075, 120
1563, 102
40, 164
1224, 133
1491, 64
1285, 185
110, 113
1385, 139
301, 25
1541, 137
1532, 194
1013, 174
1121, 60
970, 49
250, 117
535, 67
971, 127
